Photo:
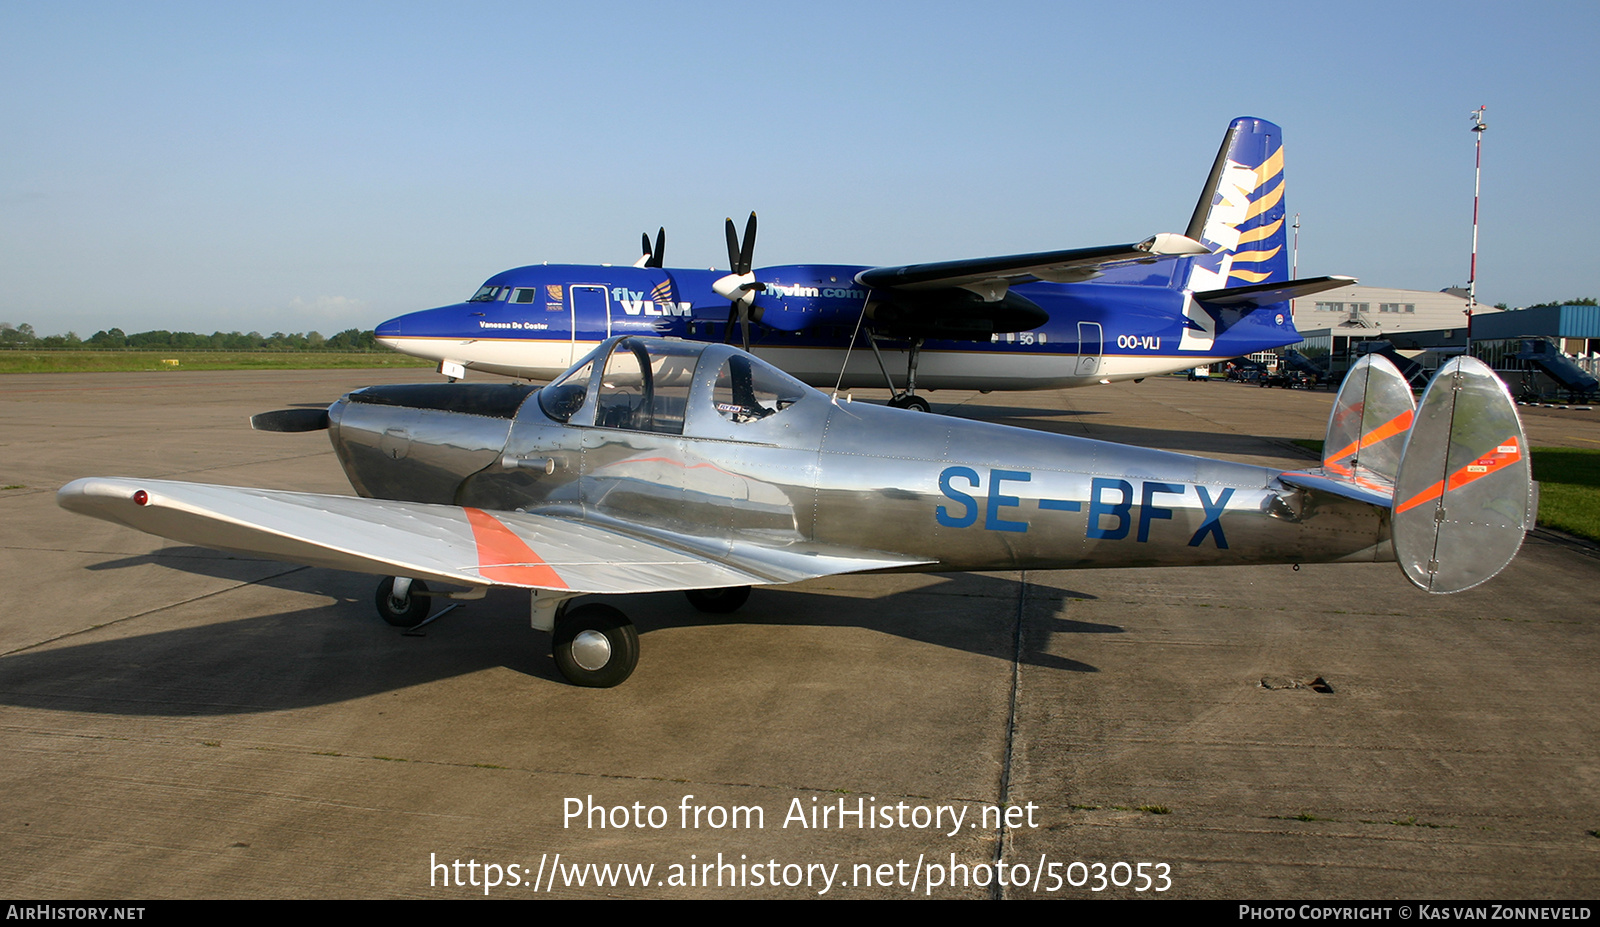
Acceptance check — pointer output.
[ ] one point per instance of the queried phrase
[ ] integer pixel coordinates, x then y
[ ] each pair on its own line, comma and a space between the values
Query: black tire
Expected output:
405, 613
914, 403
719, 601
595, 646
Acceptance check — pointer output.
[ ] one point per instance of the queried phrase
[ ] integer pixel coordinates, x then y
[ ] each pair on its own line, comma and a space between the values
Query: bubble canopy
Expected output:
656, 384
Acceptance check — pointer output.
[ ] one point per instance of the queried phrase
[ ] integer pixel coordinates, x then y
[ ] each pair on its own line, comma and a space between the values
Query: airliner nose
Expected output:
391, 329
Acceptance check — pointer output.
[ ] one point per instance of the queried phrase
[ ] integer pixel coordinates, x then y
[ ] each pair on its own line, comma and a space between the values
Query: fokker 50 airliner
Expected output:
1028, 321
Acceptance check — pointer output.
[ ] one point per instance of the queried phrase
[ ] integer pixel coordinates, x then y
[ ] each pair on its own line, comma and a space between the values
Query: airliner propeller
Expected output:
653, 258
740, 286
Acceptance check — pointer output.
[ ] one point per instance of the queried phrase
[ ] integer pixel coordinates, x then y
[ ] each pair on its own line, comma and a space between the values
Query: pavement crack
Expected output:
1002, 834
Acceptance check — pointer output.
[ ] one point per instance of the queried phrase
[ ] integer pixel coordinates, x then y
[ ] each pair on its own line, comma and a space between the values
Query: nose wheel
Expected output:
595, 646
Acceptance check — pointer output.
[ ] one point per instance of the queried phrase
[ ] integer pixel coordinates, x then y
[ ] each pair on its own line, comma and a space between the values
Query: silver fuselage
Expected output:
957, 494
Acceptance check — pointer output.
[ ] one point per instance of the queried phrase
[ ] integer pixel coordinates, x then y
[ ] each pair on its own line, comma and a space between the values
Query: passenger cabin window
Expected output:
646, 387
747, 392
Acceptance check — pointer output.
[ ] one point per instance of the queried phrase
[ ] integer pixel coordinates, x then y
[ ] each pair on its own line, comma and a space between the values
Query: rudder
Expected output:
1464, 493
1240, 215
1370, 420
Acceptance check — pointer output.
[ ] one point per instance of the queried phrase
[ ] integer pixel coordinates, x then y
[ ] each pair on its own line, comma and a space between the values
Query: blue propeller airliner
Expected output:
1045, 320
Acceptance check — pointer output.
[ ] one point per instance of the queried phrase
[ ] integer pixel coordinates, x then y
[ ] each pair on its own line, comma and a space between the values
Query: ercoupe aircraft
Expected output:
1025, 321
658, 465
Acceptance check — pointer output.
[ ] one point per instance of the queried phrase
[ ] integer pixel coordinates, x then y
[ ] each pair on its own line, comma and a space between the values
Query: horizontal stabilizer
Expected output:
1372, 492
1265, 294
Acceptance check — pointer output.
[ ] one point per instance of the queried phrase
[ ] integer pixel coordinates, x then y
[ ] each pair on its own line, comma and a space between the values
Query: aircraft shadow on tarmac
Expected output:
201, 561
342, 651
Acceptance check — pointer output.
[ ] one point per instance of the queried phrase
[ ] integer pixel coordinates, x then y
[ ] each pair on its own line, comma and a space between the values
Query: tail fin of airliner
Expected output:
1240, 215
1454, 474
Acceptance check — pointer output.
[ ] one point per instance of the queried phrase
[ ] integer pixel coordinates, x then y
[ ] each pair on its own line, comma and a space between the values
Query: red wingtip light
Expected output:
140, 497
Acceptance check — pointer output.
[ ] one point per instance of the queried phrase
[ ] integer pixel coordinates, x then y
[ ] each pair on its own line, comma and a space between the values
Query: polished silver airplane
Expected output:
659, 465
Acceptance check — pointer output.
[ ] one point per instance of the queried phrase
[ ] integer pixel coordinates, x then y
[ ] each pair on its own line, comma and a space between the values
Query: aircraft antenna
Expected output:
865, 300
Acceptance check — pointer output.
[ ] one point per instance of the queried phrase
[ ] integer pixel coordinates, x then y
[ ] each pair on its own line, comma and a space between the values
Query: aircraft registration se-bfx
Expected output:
659, 465
1028, 321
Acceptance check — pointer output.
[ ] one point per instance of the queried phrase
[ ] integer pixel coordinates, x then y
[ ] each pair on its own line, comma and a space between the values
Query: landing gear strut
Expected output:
403, 602
907, 398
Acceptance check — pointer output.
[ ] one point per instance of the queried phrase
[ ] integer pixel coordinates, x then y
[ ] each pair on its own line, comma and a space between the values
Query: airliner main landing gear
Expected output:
907, 398
909, 401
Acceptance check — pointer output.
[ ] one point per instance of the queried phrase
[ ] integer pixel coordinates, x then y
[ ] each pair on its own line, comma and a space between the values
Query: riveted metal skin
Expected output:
1464, 495
822, 475
660, 465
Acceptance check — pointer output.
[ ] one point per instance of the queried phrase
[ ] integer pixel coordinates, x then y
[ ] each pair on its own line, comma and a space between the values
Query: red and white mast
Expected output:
1478, 127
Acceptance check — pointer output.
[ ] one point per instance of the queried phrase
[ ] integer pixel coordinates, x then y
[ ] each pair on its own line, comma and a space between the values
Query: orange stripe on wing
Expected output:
1506, 453
505, 558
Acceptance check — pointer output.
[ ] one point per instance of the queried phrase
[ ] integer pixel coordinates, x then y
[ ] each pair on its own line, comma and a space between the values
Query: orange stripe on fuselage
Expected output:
1481, 467
505, 558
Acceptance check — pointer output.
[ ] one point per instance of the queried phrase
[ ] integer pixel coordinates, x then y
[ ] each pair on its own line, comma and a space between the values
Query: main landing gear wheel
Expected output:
719, 601
914, 403
406, 611
595, 646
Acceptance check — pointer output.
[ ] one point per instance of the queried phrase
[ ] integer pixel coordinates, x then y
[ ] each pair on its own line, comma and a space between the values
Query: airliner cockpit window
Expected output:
749, 392
488, 294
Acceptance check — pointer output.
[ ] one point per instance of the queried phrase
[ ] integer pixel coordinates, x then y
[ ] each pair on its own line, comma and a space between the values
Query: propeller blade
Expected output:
291, 420
738, 286
733, 248
660, 255
748, 252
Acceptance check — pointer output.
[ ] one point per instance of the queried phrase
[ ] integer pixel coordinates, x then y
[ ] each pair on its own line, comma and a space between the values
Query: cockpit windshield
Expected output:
749, 392
488, 294
645, 384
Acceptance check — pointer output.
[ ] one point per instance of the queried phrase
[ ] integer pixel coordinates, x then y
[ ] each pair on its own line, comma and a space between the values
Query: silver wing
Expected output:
449, 544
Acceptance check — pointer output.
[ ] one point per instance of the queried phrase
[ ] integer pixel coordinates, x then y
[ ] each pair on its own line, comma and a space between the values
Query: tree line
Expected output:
115, 339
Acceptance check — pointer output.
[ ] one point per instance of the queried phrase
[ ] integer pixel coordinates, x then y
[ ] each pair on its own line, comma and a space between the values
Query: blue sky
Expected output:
287, 167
